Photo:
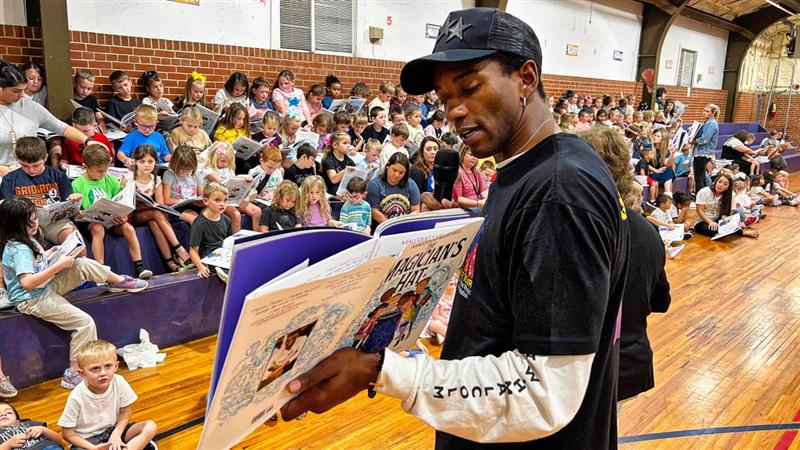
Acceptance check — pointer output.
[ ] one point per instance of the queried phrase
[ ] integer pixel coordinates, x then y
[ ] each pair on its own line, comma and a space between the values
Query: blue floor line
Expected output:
706, 431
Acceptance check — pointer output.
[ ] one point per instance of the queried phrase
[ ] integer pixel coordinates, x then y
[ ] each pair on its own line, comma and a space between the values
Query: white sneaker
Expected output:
4, 301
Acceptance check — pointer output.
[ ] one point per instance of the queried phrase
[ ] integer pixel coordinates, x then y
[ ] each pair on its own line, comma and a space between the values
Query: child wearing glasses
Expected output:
355, 210
146, 119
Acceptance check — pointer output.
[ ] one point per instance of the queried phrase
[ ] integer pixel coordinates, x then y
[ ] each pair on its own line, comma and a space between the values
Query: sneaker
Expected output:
4, 301
750, 220
71, 379
672, 251
128, 284
7, 390
144, 274
222, 274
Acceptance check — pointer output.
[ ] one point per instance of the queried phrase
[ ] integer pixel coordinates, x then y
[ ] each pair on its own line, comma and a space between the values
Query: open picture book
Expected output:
105, 210
53, 212
296, 296
728, 226
73, 245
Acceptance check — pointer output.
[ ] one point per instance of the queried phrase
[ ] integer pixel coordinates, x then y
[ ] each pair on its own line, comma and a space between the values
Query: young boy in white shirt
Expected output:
99, 409
397, 142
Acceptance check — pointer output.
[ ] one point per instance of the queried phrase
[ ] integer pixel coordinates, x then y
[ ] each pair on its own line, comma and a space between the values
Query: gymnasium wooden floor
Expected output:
727, 361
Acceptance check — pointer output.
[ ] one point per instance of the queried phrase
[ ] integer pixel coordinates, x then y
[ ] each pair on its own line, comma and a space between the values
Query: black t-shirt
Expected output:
117, 107
331, 163
208, 234
297, 174
545, 275
39, 443
371, 133
646, 290
642, 165
90, 101
278, 219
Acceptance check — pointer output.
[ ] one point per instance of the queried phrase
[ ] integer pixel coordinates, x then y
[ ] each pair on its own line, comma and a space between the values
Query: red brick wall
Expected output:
174, 60
793, 127
20, 44
744, 110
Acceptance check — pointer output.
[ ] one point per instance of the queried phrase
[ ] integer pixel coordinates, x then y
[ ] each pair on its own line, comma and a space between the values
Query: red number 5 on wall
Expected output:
389, 20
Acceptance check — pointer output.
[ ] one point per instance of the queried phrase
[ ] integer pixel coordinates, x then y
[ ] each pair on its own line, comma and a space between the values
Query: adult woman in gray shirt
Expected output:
20, 116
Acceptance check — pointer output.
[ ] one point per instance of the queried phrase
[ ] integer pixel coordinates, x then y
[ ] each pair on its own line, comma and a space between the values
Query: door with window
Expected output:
686, 68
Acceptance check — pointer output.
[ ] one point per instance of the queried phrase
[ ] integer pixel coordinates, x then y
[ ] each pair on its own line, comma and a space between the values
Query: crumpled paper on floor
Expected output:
143, 354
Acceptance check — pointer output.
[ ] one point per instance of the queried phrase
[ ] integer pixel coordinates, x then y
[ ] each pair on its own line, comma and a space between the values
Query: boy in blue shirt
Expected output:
355, 210
146, 119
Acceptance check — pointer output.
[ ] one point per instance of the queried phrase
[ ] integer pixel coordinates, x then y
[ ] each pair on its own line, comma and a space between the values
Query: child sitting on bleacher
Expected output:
356, 210
435, 127
259, 99
30, 434
234, 91
322, 125
280, 215
335, 161
356, 131
774, 146
194, 92
190, 132
314, 98
210, 227
83, 85
151, 83
385, 93
396, 144
305, 165
221, 167
36, 286
372, 152
99, 410
83, 119
94, 184
414, 122
313, 208
182, 181
289, 100
148, 184
269, 136
122, 102
146, 120
377, 130
643, 168
289, 128
40, 183
235, 123
267, 176
333, 90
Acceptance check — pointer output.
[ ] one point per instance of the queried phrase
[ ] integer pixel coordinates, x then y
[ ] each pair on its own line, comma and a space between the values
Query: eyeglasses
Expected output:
145, 127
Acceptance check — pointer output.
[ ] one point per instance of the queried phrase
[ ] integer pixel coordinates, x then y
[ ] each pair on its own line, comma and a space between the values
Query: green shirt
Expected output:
106, 187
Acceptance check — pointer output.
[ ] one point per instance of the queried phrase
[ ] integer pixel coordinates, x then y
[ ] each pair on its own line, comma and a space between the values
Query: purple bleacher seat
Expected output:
174, 309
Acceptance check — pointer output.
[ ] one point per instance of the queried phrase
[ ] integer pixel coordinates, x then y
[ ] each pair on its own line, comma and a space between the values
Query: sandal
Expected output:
172, 266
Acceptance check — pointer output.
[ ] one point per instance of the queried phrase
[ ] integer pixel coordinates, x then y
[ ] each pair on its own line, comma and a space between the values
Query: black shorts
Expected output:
102, 438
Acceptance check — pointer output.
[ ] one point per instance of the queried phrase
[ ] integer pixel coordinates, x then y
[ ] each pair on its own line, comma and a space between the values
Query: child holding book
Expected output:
148, 184
289, 100
36, 87
356, 210
83, 85
333, 90
399, 99
280, 215
99, 410
305, 165
289, 129
210, 227
270, 136
335, 161
151, 83
122, 102
190, 132
259, 98
83, 119
94, 184
182, 181
314, 99
146, 120
314, 209
194, 92
372, 152
322, 125
36, 286
234, 91
385, 94
234, 124
435, 127
40, 183
779, 186
221, 167
267, 175
356, 132
30, 434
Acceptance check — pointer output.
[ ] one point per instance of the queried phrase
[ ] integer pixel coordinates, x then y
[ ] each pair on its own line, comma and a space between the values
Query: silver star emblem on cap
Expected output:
455, 28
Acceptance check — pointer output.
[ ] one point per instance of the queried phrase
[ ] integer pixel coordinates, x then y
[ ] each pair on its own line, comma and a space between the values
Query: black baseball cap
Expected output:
468, 35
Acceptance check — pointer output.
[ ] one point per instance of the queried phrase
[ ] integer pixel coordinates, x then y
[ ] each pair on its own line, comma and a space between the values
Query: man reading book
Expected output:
534, 360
